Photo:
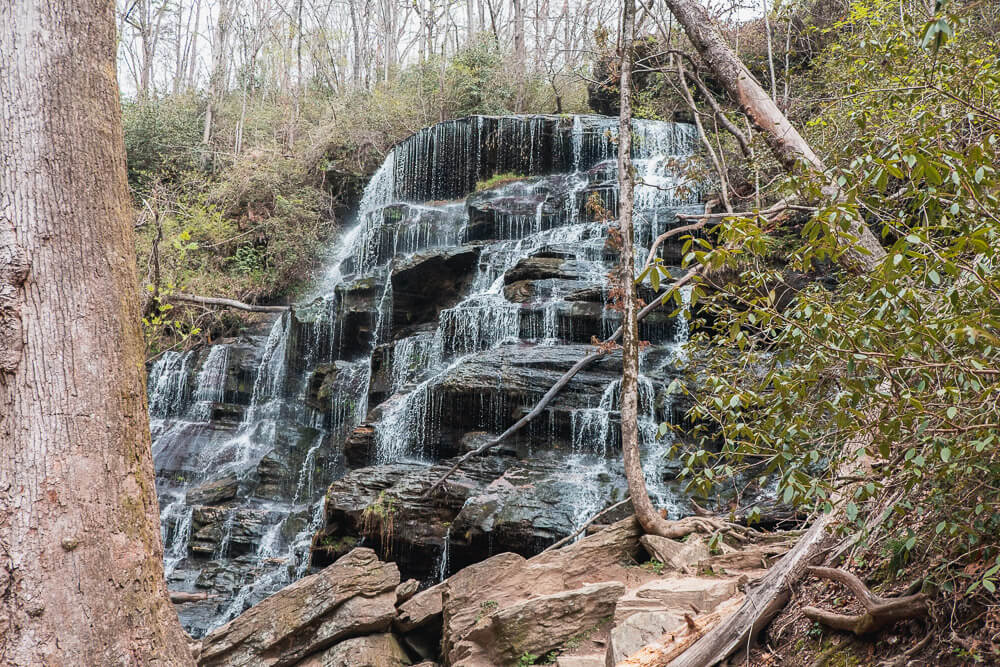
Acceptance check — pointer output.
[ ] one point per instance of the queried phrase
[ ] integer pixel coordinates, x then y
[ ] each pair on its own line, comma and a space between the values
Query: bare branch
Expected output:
225, 303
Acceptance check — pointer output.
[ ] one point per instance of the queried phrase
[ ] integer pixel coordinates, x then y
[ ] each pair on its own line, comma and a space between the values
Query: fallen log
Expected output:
225, 303
674, 644
763, 601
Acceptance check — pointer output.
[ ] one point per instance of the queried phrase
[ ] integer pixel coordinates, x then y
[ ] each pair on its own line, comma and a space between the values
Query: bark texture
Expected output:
649, 518
81, 574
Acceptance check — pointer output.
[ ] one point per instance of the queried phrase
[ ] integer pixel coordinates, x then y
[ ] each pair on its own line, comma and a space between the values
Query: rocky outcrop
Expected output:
536, 626
495, 503
585, 603
507, 580
381, 650
679, 556
387, 506
353, 597
636, 631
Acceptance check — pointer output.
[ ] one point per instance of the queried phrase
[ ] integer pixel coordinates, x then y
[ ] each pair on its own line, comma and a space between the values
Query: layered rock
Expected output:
353, 597
535, 626
381, 650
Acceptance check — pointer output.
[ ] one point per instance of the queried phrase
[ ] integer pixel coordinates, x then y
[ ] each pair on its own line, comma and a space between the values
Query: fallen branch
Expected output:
591, 520
879, 611
560, 384
670, 233
181, 596
226, 303
778, 207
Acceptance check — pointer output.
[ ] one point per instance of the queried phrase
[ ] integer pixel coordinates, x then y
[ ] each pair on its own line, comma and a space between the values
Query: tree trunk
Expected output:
192, 55
81, 568
217, 77
520, 53
782, 137
650, 519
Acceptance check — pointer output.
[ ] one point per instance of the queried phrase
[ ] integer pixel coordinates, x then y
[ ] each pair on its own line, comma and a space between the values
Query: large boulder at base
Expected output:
507, 579
420, 610
680, 595
638, 630
355, 596
537, 625
676, 555
372, 651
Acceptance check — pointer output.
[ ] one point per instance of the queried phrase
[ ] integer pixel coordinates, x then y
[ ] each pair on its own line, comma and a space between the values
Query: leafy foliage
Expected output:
890, 375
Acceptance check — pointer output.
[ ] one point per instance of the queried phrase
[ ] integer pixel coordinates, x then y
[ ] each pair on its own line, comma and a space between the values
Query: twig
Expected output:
569, 538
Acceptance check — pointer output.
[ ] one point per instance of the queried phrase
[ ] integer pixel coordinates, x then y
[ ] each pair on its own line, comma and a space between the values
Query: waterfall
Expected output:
168, 384
442, 570
255, 427
210, 385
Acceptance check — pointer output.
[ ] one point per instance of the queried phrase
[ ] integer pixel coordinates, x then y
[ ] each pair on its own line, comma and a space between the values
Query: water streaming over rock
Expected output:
448, 309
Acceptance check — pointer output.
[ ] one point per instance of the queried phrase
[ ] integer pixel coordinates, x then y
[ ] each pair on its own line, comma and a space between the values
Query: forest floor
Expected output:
954, 634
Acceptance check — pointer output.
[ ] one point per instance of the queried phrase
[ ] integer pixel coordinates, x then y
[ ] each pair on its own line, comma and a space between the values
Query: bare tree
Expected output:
217, 80
81, 570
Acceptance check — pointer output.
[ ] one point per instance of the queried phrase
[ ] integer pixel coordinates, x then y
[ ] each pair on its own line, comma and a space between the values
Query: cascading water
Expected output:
435, 278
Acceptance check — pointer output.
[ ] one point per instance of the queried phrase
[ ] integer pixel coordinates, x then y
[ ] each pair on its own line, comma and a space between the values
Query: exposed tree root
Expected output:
879, 612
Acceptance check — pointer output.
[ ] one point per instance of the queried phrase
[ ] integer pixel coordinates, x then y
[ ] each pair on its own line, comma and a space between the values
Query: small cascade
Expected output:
477, 324
270, 378
304, 488
442, 570
383, 323
410, 356
176, 533
210, 385
407, 425
168, 384
227, 536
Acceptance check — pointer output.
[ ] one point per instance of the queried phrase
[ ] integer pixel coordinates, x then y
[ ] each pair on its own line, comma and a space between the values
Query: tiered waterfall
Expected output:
446, 313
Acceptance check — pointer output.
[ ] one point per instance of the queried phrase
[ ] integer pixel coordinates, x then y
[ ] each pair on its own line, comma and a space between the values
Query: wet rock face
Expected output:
446, 313
427, 282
